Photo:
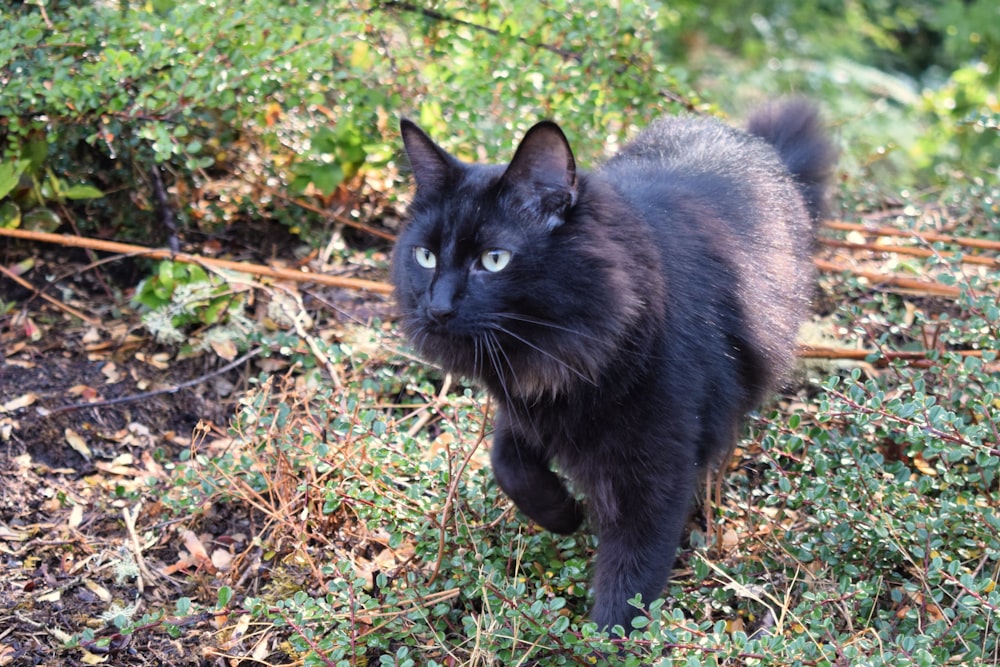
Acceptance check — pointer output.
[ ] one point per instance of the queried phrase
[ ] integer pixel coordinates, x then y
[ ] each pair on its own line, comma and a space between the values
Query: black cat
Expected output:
624, 320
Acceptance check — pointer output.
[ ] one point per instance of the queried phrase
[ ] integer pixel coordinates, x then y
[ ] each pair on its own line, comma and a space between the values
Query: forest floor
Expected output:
94, 416
93, 411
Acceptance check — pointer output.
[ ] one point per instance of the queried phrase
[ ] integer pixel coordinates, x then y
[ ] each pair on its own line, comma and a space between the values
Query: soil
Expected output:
90, 412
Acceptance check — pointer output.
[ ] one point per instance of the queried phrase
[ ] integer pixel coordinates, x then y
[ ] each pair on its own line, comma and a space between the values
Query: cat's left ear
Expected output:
543, 172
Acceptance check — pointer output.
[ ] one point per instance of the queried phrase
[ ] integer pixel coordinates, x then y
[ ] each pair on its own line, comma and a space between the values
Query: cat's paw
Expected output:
564, 519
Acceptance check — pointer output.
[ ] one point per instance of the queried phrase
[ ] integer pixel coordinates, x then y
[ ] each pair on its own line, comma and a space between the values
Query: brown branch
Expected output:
159, 253
921, 286
917, 358
55, 302
926, 237
150, 394
163, 209
815, 352
434, 15
329, 215
910, 250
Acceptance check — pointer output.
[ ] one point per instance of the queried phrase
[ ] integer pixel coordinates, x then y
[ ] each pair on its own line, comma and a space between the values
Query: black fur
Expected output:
644, 309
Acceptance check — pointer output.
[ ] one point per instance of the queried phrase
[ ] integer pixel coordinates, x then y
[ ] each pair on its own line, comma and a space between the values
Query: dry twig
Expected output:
160, 253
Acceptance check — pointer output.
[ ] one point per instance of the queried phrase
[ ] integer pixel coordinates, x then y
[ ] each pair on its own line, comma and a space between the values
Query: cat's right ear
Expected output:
432, 166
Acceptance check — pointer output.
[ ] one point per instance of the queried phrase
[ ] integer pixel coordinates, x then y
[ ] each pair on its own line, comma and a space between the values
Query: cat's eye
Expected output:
424, 257
495, 260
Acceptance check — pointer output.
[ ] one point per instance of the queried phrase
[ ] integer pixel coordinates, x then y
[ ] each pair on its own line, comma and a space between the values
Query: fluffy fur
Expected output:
637, 313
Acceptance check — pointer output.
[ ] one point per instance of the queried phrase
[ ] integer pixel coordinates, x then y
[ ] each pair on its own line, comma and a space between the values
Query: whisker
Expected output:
489, 341
548, 354
497, 351
545, 323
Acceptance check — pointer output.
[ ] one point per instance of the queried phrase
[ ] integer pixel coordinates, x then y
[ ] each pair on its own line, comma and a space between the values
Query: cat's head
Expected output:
499, 274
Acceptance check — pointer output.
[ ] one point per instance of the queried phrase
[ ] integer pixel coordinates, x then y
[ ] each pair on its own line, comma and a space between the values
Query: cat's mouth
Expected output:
506, 356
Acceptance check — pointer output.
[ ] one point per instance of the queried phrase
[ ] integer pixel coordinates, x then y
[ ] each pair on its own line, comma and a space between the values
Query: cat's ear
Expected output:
543, 172
432, 166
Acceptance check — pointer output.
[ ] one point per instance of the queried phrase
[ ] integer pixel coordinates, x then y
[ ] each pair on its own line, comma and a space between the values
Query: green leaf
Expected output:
82, 191
216, 310
10, 215
41, 220
327, 177
224, 596
10, 175
165, 272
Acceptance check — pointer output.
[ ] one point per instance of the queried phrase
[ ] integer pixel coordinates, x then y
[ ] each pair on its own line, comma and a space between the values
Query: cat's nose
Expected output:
440, 313
442, 296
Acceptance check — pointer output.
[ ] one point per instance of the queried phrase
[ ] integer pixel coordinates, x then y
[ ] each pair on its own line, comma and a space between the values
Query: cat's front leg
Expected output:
638, 532
522, 471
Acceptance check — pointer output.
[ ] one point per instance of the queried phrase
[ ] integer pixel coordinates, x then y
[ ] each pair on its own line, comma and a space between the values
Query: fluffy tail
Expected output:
794, 128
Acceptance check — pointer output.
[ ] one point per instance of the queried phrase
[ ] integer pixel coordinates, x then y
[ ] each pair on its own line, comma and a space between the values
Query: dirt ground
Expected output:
91, 410
67, 470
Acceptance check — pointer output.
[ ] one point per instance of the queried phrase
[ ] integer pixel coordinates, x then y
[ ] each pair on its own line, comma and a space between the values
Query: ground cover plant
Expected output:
204, 466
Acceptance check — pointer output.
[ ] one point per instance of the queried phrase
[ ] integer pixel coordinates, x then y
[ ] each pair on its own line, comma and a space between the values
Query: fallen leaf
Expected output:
123, 460
51, 596
22, 401
195, 547
158, 361
224, 348
93, 659
84, 391
222, 560
75, 516
730, 539
12, 535
100, 591
110, 371
152, 466
183, 563
117, 469
77, 443
921, 464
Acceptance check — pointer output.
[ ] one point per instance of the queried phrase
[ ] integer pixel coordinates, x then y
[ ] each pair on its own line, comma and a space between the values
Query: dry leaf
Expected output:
730, 539
22, 401
93, 659
84, 391
224, 348
51, 596
921, 464
7, 654
195, 547
12, 535
117, 469
100, 591
152, 466
222, 560
158, 361
75, 516
77, 443
110, 371
183, 563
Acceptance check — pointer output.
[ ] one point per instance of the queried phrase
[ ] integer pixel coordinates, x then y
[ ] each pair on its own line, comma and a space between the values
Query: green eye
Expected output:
424, 257
495, 260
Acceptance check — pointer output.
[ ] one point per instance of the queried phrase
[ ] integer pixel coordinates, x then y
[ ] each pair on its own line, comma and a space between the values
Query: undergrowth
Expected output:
857, 523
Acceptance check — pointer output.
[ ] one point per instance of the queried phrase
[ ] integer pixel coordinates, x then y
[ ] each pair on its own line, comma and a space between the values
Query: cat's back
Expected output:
695, 158
733, 230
